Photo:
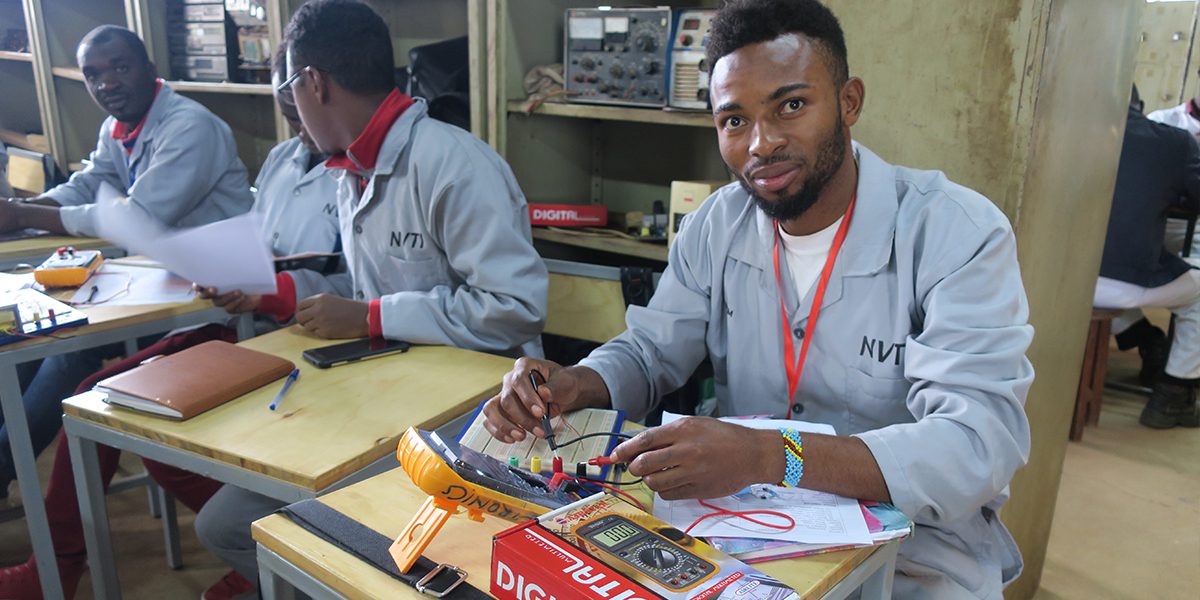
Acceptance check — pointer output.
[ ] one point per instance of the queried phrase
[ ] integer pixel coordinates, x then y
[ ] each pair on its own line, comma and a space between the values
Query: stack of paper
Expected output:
823, 521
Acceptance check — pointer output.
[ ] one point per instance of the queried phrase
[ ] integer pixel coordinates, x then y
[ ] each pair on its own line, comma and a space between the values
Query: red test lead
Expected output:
602, 461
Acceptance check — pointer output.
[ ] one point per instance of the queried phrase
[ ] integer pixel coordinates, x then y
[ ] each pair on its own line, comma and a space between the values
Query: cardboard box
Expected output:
568, 215
604, 548
687, 196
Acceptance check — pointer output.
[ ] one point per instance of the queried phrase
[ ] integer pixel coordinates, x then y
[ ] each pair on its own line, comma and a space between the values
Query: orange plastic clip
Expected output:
428, 521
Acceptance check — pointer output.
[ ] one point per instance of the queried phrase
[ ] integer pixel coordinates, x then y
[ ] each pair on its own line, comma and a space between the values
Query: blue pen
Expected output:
287, 384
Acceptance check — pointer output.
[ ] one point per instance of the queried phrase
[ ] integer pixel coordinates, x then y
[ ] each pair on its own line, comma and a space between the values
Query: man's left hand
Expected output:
333, 317
10, 219
702, 457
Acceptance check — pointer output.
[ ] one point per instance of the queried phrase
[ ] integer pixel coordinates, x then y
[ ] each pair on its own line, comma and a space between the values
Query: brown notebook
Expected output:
187, 383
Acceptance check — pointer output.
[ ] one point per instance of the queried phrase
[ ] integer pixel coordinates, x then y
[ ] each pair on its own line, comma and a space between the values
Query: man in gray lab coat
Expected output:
434, 228
918, 360
167, 153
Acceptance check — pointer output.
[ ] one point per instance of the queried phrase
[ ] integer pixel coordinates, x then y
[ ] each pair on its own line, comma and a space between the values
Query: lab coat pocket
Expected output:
419, 275
875, 401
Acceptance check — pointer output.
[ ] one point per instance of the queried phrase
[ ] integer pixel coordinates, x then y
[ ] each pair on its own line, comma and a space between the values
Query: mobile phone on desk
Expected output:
338, 354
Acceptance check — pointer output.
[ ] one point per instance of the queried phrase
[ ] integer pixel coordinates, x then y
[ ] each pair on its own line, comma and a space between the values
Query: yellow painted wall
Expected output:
1162, 58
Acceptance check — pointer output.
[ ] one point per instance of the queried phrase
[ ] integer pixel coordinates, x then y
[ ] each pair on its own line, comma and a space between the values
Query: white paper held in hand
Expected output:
227, 255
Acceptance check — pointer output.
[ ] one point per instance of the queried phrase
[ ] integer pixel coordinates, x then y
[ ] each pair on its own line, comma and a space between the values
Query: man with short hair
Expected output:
295, 197
171, 156
434, 228
830, 286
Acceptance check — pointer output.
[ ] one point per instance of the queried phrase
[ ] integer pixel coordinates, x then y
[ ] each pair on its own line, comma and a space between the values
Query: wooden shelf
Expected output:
616, 113
261, 89
72, 73
29, 141
603, 243
17, 56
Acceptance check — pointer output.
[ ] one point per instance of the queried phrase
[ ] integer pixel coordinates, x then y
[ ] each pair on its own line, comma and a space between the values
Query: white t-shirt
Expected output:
1177, 116
805, 255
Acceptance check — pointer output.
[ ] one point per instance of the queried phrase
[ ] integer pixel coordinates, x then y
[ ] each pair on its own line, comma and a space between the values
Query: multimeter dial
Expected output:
647, 552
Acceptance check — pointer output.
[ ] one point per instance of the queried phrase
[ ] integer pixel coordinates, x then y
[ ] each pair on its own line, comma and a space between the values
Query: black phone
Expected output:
337, 354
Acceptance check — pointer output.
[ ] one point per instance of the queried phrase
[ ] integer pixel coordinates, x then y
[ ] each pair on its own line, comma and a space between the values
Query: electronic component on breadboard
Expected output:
68, 267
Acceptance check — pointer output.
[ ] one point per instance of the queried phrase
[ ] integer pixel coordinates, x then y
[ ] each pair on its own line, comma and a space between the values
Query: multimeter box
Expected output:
68, 268
605, 548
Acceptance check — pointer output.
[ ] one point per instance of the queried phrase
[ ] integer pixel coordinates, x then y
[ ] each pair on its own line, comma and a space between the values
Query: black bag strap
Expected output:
428, 577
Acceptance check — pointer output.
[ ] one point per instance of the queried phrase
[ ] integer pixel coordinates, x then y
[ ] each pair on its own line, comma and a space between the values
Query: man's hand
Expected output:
37, 213
518, 409
333, 317
10, 215
234, 302
702, 457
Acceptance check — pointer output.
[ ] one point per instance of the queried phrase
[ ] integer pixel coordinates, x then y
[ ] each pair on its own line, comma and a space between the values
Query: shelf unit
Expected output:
20, 121
67, 118
571, 153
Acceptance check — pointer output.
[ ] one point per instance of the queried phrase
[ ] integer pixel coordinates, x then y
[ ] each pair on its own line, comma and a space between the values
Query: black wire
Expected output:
624, 436
617, 483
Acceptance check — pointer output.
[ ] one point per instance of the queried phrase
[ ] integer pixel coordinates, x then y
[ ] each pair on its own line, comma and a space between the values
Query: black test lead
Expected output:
547, 429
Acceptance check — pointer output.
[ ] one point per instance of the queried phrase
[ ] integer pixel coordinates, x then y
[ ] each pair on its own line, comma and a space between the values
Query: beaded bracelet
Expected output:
793, 450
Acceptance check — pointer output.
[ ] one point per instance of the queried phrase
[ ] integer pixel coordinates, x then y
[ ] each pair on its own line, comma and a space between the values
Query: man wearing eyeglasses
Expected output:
434, 228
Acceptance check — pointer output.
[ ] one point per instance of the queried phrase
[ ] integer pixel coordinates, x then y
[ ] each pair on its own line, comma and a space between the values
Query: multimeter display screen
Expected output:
615, 535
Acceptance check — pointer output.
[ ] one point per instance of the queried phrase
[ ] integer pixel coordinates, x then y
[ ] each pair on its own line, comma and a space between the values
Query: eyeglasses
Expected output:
286, 86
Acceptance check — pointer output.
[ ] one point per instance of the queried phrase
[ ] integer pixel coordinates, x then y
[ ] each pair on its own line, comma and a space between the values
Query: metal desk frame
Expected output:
12, 404
279, 579
83, 436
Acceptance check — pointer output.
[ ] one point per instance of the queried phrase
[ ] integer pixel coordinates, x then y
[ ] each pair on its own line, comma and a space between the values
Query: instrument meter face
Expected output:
649, 553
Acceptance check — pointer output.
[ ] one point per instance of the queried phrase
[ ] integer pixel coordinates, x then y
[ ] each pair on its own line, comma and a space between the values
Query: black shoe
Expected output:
1154, 350
1171, 403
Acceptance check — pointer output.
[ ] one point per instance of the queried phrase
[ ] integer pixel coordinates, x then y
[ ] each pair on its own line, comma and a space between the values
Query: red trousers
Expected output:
62, 505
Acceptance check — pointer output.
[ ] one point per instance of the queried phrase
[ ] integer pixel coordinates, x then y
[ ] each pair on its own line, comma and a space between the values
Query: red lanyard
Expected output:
794, 370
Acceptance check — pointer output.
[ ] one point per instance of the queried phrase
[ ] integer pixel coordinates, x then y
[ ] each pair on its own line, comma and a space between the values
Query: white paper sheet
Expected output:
227, 255
119, 283
820, 518
11, 283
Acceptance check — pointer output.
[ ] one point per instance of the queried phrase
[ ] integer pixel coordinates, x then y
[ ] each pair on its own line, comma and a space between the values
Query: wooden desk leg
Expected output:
271, 583
94, 512
24, 462
1087, 382
878, 585
1100, 370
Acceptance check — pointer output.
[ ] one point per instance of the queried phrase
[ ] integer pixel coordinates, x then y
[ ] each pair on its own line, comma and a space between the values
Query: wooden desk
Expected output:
35, 250
107, 325
335, 427
290, 556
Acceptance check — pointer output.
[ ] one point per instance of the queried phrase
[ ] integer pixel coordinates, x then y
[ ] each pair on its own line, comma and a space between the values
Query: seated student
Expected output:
296, 198
169, 154
1159, 169
918, 357
435, 229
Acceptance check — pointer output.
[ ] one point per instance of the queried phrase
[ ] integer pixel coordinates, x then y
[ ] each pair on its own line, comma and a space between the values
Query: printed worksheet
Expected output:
819, 518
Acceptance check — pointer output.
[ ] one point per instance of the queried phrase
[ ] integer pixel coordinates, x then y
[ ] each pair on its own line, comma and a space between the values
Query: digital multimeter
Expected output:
68, 267
646, 551
457, 477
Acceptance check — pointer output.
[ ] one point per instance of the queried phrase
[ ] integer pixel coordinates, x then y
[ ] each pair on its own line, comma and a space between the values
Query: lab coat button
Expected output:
799, 331
358, 295
797, 409
358, 229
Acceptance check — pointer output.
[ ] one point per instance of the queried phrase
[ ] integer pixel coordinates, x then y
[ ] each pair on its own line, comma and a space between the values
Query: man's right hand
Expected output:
234, 302
518, 409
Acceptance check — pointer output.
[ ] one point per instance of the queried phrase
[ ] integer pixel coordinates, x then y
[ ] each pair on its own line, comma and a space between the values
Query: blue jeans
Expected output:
55, 380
